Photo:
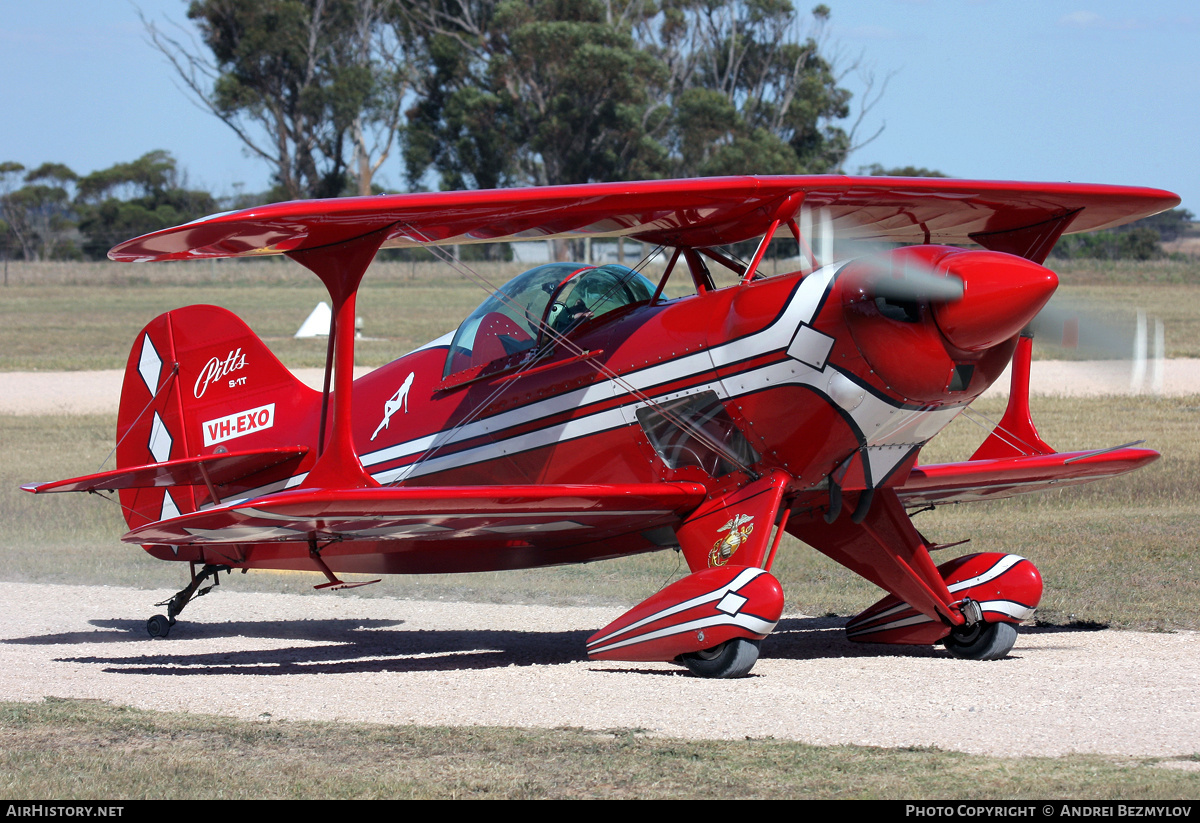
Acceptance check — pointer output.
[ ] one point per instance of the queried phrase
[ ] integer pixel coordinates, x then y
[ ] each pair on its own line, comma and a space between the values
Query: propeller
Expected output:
912, 281
1076, 329
1085, 331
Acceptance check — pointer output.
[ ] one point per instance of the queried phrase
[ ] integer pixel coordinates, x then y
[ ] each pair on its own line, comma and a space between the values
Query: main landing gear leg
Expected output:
160, 625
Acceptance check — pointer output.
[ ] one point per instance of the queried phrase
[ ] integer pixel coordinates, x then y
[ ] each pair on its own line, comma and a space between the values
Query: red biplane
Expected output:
579, 414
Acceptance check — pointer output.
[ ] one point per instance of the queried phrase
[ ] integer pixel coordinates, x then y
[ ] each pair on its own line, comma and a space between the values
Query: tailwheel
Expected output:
733, 658
982, 640
158, 626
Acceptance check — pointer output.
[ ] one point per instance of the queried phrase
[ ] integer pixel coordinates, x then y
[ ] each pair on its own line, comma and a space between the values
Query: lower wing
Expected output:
998, 478
550, 514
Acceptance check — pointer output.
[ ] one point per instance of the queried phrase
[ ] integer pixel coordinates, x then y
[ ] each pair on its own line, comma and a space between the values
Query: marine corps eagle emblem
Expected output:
739, 528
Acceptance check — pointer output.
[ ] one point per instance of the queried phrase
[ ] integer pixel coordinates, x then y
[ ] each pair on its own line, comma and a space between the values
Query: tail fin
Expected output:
200, 382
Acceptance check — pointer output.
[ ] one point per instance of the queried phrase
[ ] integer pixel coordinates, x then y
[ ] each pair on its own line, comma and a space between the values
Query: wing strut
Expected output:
666, 275
1016, 435
341, 267
760, 251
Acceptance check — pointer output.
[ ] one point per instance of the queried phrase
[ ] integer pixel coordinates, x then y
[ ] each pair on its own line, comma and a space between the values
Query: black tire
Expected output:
734, 658
158, 626
983, 641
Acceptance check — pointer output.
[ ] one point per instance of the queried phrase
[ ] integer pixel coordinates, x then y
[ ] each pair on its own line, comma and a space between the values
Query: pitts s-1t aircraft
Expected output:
579, 414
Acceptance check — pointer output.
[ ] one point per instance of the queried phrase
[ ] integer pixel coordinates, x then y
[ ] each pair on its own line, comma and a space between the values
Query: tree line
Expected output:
462, 94
1134, 241
492, 93
52, 213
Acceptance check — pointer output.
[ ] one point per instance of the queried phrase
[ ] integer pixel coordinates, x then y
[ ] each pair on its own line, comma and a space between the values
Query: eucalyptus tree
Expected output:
750, 87
129, 199
315, 88
36, 211
543, 92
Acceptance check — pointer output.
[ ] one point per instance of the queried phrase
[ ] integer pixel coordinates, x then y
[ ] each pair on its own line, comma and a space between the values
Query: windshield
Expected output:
508, 322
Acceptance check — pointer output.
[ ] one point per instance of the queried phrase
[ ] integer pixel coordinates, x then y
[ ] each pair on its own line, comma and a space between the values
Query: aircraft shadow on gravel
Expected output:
376, 645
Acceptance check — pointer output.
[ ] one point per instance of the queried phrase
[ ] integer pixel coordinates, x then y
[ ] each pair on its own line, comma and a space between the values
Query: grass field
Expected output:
79, 749
1121, 553
56, 316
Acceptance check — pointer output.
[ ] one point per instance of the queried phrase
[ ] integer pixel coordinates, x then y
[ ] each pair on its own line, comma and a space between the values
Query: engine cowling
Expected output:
936, 322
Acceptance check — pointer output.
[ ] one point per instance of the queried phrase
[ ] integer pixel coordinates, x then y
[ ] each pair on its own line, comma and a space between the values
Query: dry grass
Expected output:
1121, 552
64, 749
61, 325
68, 316
1178, 270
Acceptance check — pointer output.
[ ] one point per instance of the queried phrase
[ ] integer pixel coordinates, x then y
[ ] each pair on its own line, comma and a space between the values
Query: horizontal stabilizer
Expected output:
1009, 476
228, 473
538, 515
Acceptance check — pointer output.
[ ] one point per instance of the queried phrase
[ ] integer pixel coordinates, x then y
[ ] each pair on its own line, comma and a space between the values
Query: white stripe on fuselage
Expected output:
889, 429
800, 309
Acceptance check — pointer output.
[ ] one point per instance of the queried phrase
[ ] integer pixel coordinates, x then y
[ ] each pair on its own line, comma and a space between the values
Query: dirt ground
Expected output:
338, 657
98, 392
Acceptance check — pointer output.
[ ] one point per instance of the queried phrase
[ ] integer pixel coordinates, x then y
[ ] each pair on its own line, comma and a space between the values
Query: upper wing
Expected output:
693, 213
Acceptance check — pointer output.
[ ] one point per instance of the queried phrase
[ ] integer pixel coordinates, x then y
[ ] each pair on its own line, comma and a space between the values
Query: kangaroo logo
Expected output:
390, 407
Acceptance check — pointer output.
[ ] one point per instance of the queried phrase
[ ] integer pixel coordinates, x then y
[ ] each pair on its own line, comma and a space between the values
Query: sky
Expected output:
1079, 90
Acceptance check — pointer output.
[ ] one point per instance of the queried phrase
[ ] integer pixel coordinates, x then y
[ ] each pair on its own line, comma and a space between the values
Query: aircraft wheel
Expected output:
983, 641
734, 658
158, 626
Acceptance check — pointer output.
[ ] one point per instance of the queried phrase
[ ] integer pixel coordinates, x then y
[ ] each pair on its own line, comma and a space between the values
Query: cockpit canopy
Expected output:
540, 306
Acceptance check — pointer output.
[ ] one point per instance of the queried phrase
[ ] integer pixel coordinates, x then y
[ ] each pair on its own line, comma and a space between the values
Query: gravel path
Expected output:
97, 392
337, 657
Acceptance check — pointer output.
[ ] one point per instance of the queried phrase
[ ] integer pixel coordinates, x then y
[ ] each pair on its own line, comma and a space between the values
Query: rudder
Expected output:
199, 381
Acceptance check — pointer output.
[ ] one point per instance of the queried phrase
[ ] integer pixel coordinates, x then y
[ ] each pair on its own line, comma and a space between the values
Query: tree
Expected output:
313, 87
52, 213
576, 90
877, 170
458, 126
131, 199
38, 215
377, 74
1168, 224
749, 90
505, 92
1140, 240
574, 85
545, 92
1137, 243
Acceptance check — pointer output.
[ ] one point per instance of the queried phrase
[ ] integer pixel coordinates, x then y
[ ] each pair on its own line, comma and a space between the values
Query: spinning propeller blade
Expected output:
1077, 330
913, 280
